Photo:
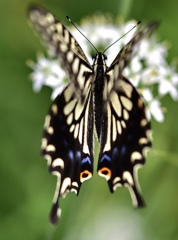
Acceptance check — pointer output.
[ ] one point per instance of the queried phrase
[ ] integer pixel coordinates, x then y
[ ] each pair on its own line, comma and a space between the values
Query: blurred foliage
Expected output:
25, 185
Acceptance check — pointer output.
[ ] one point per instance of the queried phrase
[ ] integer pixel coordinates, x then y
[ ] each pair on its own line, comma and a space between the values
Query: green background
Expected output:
26, 188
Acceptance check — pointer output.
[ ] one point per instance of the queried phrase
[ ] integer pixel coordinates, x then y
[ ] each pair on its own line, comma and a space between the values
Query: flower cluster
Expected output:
148, 70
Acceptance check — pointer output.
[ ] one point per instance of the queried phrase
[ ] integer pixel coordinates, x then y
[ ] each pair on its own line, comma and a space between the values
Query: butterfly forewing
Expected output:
126, 53
54, 32
64, 46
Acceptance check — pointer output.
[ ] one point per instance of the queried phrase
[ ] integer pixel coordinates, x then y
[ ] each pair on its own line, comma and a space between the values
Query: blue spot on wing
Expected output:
86, 160
71, 155
123, 150
115, 152
105, 157
78, 155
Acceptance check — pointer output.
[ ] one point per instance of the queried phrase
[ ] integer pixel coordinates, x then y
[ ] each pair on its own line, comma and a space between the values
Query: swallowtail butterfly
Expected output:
98, 98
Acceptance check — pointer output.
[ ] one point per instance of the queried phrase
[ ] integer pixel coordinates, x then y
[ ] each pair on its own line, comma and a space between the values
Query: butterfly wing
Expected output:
67, 144
125, 132
125, 135
124, 56
63, 46
67, 141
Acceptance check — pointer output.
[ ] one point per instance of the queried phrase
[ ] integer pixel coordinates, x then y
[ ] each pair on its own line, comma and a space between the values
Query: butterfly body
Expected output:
97, 97
99, 67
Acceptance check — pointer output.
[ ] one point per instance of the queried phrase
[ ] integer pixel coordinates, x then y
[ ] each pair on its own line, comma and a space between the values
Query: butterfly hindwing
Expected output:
67, 146
125, 135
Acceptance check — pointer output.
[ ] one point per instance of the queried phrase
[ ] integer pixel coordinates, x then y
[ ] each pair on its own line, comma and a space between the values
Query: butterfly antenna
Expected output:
122, 36
81, 33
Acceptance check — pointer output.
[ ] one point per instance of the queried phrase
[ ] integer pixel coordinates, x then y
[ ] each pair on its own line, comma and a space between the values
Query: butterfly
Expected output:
98, 99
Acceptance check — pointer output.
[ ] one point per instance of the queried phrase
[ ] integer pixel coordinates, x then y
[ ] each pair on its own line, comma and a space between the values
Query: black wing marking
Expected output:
67, 144
64, 46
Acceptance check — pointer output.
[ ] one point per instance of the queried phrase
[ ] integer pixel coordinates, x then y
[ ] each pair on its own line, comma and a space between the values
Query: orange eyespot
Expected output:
105, 172
85, 175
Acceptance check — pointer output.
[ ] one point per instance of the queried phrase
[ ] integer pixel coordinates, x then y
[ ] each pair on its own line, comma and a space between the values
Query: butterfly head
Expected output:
99, 59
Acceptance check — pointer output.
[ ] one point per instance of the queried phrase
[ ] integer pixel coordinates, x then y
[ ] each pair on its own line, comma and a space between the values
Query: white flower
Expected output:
156, 110
169, 84
102, 35
147, 70
48, 73
153, 105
